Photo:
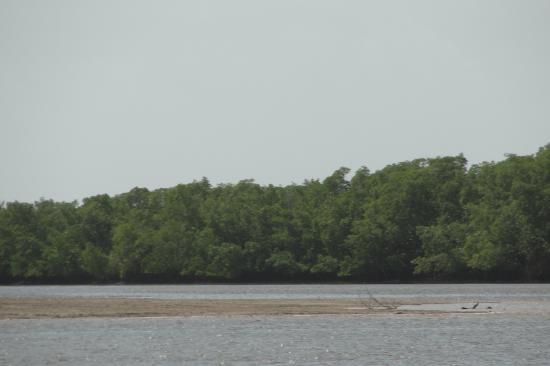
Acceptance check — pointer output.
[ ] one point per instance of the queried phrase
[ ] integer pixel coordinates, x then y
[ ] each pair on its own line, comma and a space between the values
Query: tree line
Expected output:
426, 219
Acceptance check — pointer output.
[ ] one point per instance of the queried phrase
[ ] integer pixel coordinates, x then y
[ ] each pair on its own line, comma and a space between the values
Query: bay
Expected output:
519, 337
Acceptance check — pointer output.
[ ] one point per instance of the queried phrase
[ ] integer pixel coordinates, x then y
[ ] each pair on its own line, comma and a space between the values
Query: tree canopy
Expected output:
426, 219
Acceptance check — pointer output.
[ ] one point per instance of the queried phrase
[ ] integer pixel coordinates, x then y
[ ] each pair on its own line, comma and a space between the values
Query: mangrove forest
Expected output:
435, 219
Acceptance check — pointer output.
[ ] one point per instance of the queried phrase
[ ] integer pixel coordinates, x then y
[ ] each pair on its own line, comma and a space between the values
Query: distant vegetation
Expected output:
427, 219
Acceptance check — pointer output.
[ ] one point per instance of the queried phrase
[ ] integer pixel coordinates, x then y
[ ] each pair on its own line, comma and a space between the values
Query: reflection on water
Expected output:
312, 340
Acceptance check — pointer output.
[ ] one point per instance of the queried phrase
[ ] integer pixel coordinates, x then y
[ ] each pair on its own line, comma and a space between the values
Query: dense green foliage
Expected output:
422, 219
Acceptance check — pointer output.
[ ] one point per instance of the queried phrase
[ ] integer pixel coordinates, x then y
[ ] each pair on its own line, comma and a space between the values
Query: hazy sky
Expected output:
102, 96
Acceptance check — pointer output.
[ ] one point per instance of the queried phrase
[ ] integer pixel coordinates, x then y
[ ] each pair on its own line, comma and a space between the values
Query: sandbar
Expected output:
32, 308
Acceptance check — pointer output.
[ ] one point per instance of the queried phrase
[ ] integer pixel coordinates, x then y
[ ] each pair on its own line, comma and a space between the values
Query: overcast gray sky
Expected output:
102, 96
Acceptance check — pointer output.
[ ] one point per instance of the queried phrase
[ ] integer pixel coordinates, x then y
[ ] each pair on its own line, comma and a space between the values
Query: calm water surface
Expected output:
517, 338
420, 292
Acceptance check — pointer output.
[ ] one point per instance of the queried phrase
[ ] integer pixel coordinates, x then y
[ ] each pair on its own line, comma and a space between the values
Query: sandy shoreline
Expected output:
11, 308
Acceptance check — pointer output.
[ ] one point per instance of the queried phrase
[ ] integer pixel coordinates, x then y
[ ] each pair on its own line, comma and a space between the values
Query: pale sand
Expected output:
11, 308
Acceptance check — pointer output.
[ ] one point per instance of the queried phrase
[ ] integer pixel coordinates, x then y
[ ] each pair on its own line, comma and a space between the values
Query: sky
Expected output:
103, 96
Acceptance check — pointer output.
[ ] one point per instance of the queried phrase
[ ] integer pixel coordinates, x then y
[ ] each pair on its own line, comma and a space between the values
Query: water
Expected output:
336, 340
412, 292
508, 338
